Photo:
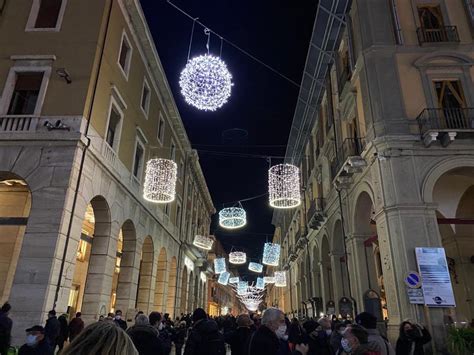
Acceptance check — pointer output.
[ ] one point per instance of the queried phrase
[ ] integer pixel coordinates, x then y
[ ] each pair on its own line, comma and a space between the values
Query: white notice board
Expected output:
435, 278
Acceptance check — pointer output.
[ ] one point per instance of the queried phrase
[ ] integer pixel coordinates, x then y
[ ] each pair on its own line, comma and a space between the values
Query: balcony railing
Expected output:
349, 148
18, 123
436, 35
446, 119
316, 205
316, 215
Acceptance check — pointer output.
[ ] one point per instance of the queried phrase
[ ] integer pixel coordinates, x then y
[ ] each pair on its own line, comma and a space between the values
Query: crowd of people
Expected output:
198, 334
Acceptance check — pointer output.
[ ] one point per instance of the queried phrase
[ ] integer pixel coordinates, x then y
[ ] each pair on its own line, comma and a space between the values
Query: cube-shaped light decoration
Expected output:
234, 280
284, 186
219, 265
260, 284
203, 242
224, 278
237, 257
242, 287
271, 254
160, 180
280, 278
269, 279
232, 217
255, 267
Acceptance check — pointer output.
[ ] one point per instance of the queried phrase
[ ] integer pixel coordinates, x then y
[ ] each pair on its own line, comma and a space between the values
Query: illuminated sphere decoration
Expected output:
232, 217
271, 254
224, 278
269, 279
203, 242
260, 284
242, 287
219, 265
284, 186
206, 82
255, 267
280, 278
160, 180
237, 257
234, 280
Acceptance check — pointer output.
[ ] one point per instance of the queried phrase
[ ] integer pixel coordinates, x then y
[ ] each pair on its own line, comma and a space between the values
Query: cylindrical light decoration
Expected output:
242, 287
260, 284
284, 186
237, 257
160, 180
206, 82
232, 217
224, 278
269, 279
255, 267
203, 242
280, 278
219, 265
271, 254
234, 280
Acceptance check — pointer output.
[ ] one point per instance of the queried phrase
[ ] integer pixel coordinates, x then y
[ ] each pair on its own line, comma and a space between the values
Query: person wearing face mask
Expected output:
119, 321
412, 339
36, 343
266, 340
156, 320
355, 342
145, 337
369, 322
336, 336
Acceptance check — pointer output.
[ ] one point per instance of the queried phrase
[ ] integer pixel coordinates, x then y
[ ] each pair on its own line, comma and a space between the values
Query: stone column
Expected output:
325, 283
359, 274
337, 277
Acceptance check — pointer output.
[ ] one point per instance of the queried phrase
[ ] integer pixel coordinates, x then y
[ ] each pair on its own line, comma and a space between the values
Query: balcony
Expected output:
445, 124
348, 162
292, 254
301, 240
316, 215
437, 35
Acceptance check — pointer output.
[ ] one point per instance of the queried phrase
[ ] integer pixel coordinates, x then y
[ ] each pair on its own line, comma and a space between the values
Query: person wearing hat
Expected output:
376, 340
36, 343
239, 338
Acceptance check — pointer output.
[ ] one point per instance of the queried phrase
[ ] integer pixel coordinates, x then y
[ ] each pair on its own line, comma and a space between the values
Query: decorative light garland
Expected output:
234, 280
203, 242
251, 296
269, 279
280, 278
224, 278
160, 180
232, 217
255, 267
284, 186
271, 254
260, 284
206, 82
237, 257
219, 265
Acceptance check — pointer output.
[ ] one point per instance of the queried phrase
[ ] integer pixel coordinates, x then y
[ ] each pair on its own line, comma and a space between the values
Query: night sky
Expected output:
262, 103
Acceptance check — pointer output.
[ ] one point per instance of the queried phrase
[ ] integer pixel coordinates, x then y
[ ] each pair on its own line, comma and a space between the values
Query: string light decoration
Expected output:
224, 278
250, 296
160, 180
269, 279
284, 186
206, 82
237, 257
219, 265
271, 254
255, 267
260, 284
234, 280
203, 242
242, 287
280, 278
232, 217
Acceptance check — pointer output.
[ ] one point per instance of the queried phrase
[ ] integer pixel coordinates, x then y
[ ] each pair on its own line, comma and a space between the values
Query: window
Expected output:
161, 129
113, 127
25, 94
167, 209
181, 170
430, 17
125, 55
450, 94
178, 215
46, 15
138, 158
145, 101
173, 152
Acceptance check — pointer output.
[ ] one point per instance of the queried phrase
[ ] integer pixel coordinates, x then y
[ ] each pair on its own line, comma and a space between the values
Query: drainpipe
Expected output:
83, 157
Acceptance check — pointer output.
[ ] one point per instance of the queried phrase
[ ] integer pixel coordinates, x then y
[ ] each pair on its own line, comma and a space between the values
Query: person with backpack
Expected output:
5, 328
204, 337
379, 343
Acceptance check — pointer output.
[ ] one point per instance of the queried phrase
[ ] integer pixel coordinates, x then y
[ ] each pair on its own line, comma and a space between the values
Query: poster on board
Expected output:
435, 278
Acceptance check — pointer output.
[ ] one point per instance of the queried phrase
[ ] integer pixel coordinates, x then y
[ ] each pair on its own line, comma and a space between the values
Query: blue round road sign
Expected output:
413, 280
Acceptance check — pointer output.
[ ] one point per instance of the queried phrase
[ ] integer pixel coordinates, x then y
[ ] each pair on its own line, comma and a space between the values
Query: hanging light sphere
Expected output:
203, 242
269, 279
271, 254
234, 280
232, 217
219, 265
284, 186
160, 180
260, 284
255, 267
242, 287
237, 257
206, 82
280, 278
224, 278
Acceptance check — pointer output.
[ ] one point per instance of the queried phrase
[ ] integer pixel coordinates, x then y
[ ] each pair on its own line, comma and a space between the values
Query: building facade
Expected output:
383, 135
84, 104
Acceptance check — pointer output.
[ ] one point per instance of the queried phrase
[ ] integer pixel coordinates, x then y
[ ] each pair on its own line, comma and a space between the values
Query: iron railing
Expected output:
456, 119
435, 35
349, 148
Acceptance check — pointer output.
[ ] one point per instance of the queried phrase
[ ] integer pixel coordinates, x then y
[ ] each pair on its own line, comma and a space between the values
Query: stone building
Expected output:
84, 104
383, 134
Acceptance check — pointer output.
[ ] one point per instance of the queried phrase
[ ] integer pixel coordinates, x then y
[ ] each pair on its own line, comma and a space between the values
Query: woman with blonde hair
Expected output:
101, 338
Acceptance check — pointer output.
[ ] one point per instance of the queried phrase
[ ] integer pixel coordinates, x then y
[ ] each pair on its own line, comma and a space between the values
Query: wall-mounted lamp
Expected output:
63, 73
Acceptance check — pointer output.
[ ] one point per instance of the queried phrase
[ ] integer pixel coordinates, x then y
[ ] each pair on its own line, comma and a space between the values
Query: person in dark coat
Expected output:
179, 337
412, 339
5, 328
52, 329
355, 341
63, 331
76, 326
295, 332
239, 338
145, 337
119, 321
319, 337
266, 340
204, 337
156, 320
36, 342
